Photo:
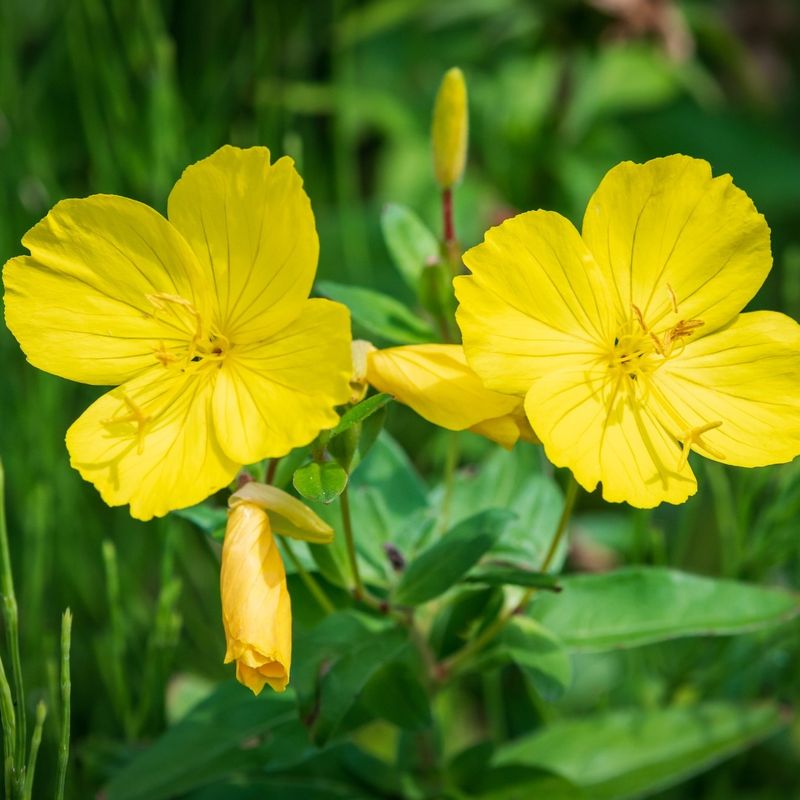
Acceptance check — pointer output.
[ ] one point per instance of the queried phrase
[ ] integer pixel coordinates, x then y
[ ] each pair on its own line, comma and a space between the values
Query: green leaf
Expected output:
344, 446
630, 753
509, 575
320, 482
343, 683
465, 615
357, 430
539, 654
635, 606
411, 244
436, 569
220, 728
471, 771
209, 518
515, 480
379, 315
332, 559
360, 412
315, 650
371, 428
388, 498
396, 694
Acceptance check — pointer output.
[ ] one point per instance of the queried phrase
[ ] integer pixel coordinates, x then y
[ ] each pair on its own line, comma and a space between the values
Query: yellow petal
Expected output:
503, 430
746, 376
435, 380
150, 443
590, 424
508, 429
667, 232
256, 608
251, 226
287, 515
84, 304
279, 394
534, 296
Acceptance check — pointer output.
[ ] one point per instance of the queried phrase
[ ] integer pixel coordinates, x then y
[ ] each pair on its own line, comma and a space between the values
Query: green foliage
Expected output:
636, 606
658, 669
630, 753
409, 241
379, 316
438, 567
321, 482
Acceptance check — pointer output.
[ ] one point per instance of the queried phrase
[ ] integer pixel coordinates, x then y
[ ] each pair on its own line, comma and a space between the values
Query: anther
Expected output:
136, 415
673, 298
693, 436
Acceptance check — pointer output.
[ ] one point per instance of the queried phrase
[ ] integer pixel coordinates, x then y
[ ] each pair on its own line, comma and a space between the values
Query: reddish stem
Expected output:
447, 212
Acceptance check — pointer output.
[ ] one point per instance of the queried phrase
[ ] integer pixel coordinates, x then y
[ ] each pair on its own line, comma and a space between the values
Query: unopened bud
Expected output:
450, 129
358, 383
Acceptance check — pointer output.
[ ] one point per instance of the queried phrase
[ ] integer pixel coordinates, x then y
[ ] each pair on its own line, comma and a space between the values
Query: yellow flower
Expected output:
256, 607
450, 129
627, 342
435, 380
203, 321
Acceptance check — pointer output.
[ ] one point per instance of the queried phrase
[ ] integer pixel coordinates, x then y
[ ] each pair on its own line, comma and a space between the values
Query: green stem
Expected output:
451, 462
36, 740
11, 616
727, 521
358, 590
9, 729
117, 636
308, 579
490, 631
66, 692
563, 523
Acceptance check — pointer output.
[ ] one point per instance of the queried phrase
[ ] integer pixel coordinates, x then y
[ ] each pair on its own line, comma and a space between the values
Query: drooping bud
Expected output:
256, 608
450, 130
288, 516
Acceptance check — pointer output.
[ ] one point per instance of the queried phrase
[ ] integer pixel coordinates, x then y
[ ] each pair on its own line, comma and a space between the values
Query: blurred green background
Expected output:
118, 97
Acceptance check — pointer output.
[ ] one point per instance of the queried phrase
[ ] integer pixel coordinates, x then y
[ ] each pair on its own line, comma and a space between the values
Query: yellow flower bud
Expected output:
358, 383
288, 516
256, 609
450, 128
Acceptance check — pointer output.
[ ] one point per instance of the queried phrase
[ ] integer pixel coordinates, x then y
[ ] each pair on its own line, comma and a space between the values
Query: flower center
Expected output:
638, 351
204, 344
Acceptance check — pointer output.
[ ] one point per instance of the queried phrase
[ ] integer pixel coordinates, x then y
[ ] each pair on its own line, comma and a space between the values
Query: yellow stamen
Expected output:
163, 355
693, 437
163, 301
673, 298
643, 325
136, 415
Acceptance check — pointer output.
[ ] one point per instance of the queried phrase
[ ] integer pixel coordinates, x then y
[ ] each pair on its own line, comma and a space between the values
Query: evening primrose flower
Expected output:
202, 320
435, 380
256, 607
627, 342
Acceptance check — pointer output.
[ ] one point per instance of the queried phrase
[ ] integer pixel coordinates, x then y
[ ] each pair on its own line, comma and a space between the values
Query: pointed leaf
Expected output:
436, 569
635, 606
632, 753
378, 314
411, 244
510, 575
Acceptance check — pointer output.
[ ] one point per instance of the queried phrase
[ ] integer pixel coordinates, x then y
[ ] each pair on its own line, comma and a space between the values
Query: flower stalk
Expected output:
358, 587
